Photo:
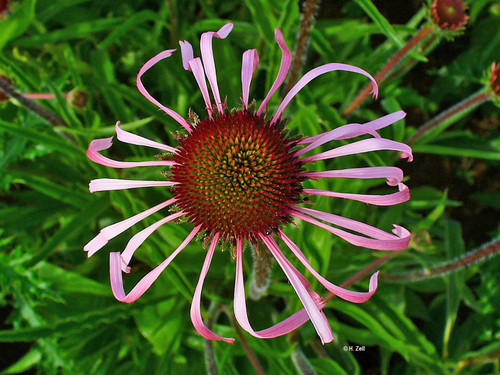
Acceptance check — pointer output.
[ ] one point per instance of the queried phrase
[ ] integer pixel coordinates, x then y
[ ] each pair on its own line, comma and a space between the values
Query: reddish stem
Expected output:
471, 257
389, 65
368, 269
470, 102
253, 359
306, 23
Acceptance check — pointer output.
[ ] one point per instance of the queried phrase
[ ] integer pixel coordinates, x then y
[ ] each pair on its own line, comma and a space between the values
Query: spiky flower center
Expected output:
449, 14
237, 175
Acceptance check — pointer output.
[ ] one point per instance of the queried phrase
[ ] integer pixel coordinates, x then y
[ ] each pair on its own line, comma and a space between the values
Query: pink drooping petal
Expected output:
377, 124
286, 61
147, 95
115, 273
401, 196
393, 175
249, 65
115, 229
240, 311
199, 74
105, 184
104, 143
318, 318
207, 56
134, 139
366, 145
138, 239
195, 312
309, 76
369, 243
350, 224
348, 295
187, 53
343, 132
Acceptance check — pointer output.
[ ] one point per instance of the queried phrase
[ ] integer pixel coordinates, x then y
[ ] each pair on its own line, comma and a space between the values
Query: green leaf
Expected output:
89, 213
263, 18
67, 281
457, 151
17, 22
26, 362
454, 248
377, 17
128, 27
74, 31
53, 189
50, 140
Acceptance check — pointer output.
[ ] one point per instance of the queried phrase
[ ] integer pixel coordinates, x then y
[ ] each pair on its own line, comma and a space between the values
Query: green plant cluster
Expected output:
57, 312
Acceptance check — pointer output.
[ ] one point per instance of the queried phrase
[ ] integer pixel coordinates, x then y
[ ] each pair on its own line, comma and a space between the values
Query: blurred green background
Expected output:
57, 312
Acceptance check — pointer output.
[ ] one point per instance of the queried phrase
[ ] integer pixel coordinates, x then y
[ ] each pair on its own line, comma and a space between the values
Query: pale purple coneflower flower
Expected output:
237, 177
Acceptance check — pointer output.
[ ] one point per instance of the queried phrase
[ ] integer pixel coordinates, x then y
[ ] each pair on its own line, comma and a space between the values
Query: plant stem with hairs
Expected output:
487, 250
31, 105
387, 68
261, 272
448, 116
306, 23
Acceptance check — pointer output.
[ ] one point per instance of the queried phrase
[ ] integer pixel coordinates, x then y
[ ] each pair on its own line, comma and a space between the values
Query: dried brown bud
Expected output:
449, 14
78, 98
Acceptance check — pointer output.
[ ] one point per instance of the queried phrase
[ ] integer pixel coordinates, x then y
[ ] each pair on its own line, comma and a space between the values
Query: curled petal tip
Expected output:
408, 156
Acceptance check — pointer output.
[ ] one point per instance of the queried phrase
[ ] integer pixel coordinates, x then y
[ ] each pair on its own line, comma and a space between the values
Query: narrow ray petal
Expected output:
366, 145
115, 229
207, 56
318, 318
369, 243
350, 224
186, 53
286, 61
249, 65
195, 312
105, 184
199, 74
147, 95
348, 295
134, 139
377, 124
138, 239
240, 311
379, 200
309, 76
343, 132
393, 175
115, 273
104, 143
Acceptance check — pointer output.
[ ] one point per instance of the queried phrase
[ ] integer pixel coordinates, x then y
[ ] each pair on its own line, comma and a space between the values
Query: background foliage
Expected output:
58, 313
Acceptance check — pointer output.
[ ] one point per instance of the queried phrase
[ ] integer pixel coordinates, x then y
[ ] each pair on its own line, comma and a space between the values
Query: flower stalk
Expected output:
451, 114
482, 253
389, 65
30, 104
261, 271
306, 23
